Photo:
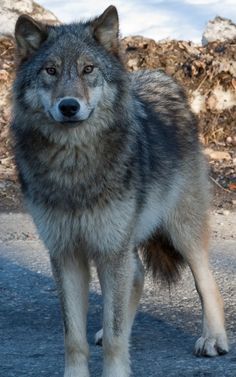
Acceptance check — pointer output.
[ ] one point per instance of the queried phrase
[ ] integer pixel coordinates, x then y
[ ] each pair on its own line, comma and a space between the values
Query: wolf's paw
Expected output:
98, 338
211, 346
75, 372
117, 369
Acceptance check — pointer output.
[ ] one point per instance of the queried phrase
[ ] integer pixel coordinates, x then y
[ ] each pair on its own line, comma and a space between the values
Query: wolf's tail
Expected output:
162, 259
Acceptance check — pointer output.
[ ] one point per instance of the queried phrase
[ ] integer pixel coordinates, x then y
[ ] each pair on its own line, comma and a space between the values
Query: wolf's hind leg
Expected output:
116, 275
213, 341
190, 237
136, 293
72, 278
137, 288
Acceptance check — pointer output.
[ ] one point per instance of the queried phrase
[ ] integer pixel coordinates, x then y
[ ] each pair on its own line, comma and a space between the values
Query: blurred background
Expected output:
157, 19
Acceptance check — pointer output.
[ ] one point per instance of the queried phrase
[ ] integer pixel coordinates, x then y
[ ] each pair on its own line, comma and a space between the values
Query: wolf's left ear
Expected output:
29, 35
105, 29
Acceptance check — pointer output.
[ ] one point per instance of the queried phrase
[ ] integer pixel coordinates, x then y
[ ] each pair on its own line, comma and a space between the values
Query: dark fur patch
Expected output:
162, 259
117, 318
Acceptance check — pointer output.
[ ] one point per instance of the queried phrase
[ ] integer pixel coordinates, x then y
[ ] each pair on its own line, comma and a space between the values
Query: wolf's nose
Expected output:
69, 107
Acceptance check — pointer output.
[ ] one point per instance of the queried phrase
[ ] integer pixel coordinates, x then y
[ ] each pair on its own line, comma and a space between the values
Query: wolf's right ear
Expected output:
105, 29
29, 35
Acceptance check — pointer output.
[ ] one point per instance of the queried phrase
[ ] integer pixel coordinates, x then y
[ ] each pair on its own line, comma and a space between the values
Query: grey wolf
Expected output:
111, 169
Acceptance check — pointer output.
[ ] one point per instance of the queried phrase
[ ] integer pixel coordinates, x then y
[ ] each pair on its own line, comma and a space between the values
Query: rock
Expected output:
220, 99
217, 155
219, 29
11, 9
224, 212
133, 64
4, 75
231, 140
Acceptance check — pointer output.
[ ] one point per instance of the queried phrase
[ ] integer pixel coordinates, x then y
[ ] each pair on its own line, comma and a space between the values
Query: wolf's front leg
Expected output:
116, 274
72, 278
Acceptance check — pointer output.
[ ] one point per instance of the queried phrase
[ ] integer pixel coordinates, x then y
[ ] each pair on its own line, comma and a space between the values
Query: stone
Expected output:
11, 9
217, 155
4, 75
220, 29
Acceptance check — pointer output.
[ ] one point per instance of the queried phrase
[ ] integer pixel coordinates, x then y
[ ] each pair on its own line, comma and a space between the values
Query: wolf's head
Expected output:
67, 72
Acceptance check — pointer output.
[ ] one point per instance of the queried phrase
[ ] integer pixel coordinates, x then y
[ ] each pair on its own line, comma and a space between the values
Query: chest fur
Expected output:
102, 230
66, 178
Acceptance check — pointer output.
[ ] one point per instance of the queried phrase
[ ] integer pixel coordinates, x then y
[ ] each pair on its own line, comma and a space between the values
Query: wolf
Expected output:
113, 174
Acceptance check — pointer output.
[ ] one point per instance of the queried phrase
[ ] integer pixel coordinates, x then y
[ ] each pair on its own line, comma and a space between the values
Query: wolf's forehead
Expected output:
76, 58
71, 48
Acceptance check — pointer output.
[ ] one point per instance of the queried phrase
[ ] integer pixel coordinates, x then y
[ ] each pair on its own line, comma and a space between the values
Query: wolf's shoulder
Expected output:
148, 75
157, 86
165, 106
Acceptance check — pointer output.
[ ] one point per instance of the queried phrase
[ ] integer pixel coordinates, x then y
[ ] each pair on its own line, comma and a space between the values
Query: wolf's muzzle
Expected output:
69, 107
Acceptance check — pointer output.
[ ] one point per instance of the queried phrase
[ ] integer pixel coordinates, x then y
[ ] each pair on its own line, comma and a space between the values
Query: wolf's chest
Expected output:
65, 180
98, 230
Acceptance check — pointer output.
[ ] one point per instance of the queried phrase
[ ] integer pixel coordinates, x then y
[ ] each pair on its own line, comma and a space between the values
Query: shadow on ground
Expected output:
162, 339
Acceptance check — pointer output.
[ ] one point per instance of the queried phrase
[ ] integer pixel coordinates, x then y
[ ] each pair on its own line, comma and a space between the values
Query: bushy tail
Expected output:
162, 259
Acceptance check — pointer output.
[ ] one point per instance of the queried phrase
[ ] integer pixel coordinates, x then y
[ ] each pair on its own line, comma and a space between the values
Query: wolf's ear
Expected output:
105, 29
29, 35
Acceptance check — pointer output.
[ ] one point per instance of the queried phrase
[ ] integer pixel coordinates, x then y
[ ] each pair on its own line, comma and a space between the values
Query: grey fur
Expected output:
127, 169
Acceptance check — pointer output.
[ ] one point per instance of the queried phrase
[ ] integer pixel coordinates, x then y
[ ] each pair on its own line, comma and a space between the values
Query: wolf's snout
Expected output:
69, 107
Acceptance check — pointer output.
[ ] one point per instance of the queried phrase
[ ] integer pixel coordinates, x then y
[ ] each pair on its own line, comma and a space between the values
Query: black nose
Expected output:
69, 107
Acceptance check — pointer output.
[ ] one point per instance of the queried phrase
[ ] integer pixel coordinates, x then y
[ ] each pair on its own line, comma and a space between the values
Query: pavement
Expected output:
166, 327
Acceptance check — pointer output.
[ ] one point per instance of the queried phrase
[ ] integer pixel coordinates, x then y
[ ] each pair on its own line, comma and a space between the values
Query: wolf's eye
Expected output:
51, 71
88, 69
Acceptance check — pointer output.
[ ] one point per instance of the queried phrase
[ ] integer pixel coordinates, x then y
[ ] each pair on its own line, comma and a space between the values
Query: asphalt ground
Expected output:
166, 327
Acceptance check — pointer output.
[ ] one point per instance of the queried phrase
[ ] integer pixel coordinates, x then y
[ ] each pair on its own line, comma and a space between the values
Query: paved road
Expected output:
165, 329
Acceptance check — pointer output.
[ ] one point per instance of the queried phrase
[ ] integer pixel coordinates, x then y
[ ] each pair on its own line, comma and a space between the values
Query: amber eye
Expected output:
51, 71
88, 69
